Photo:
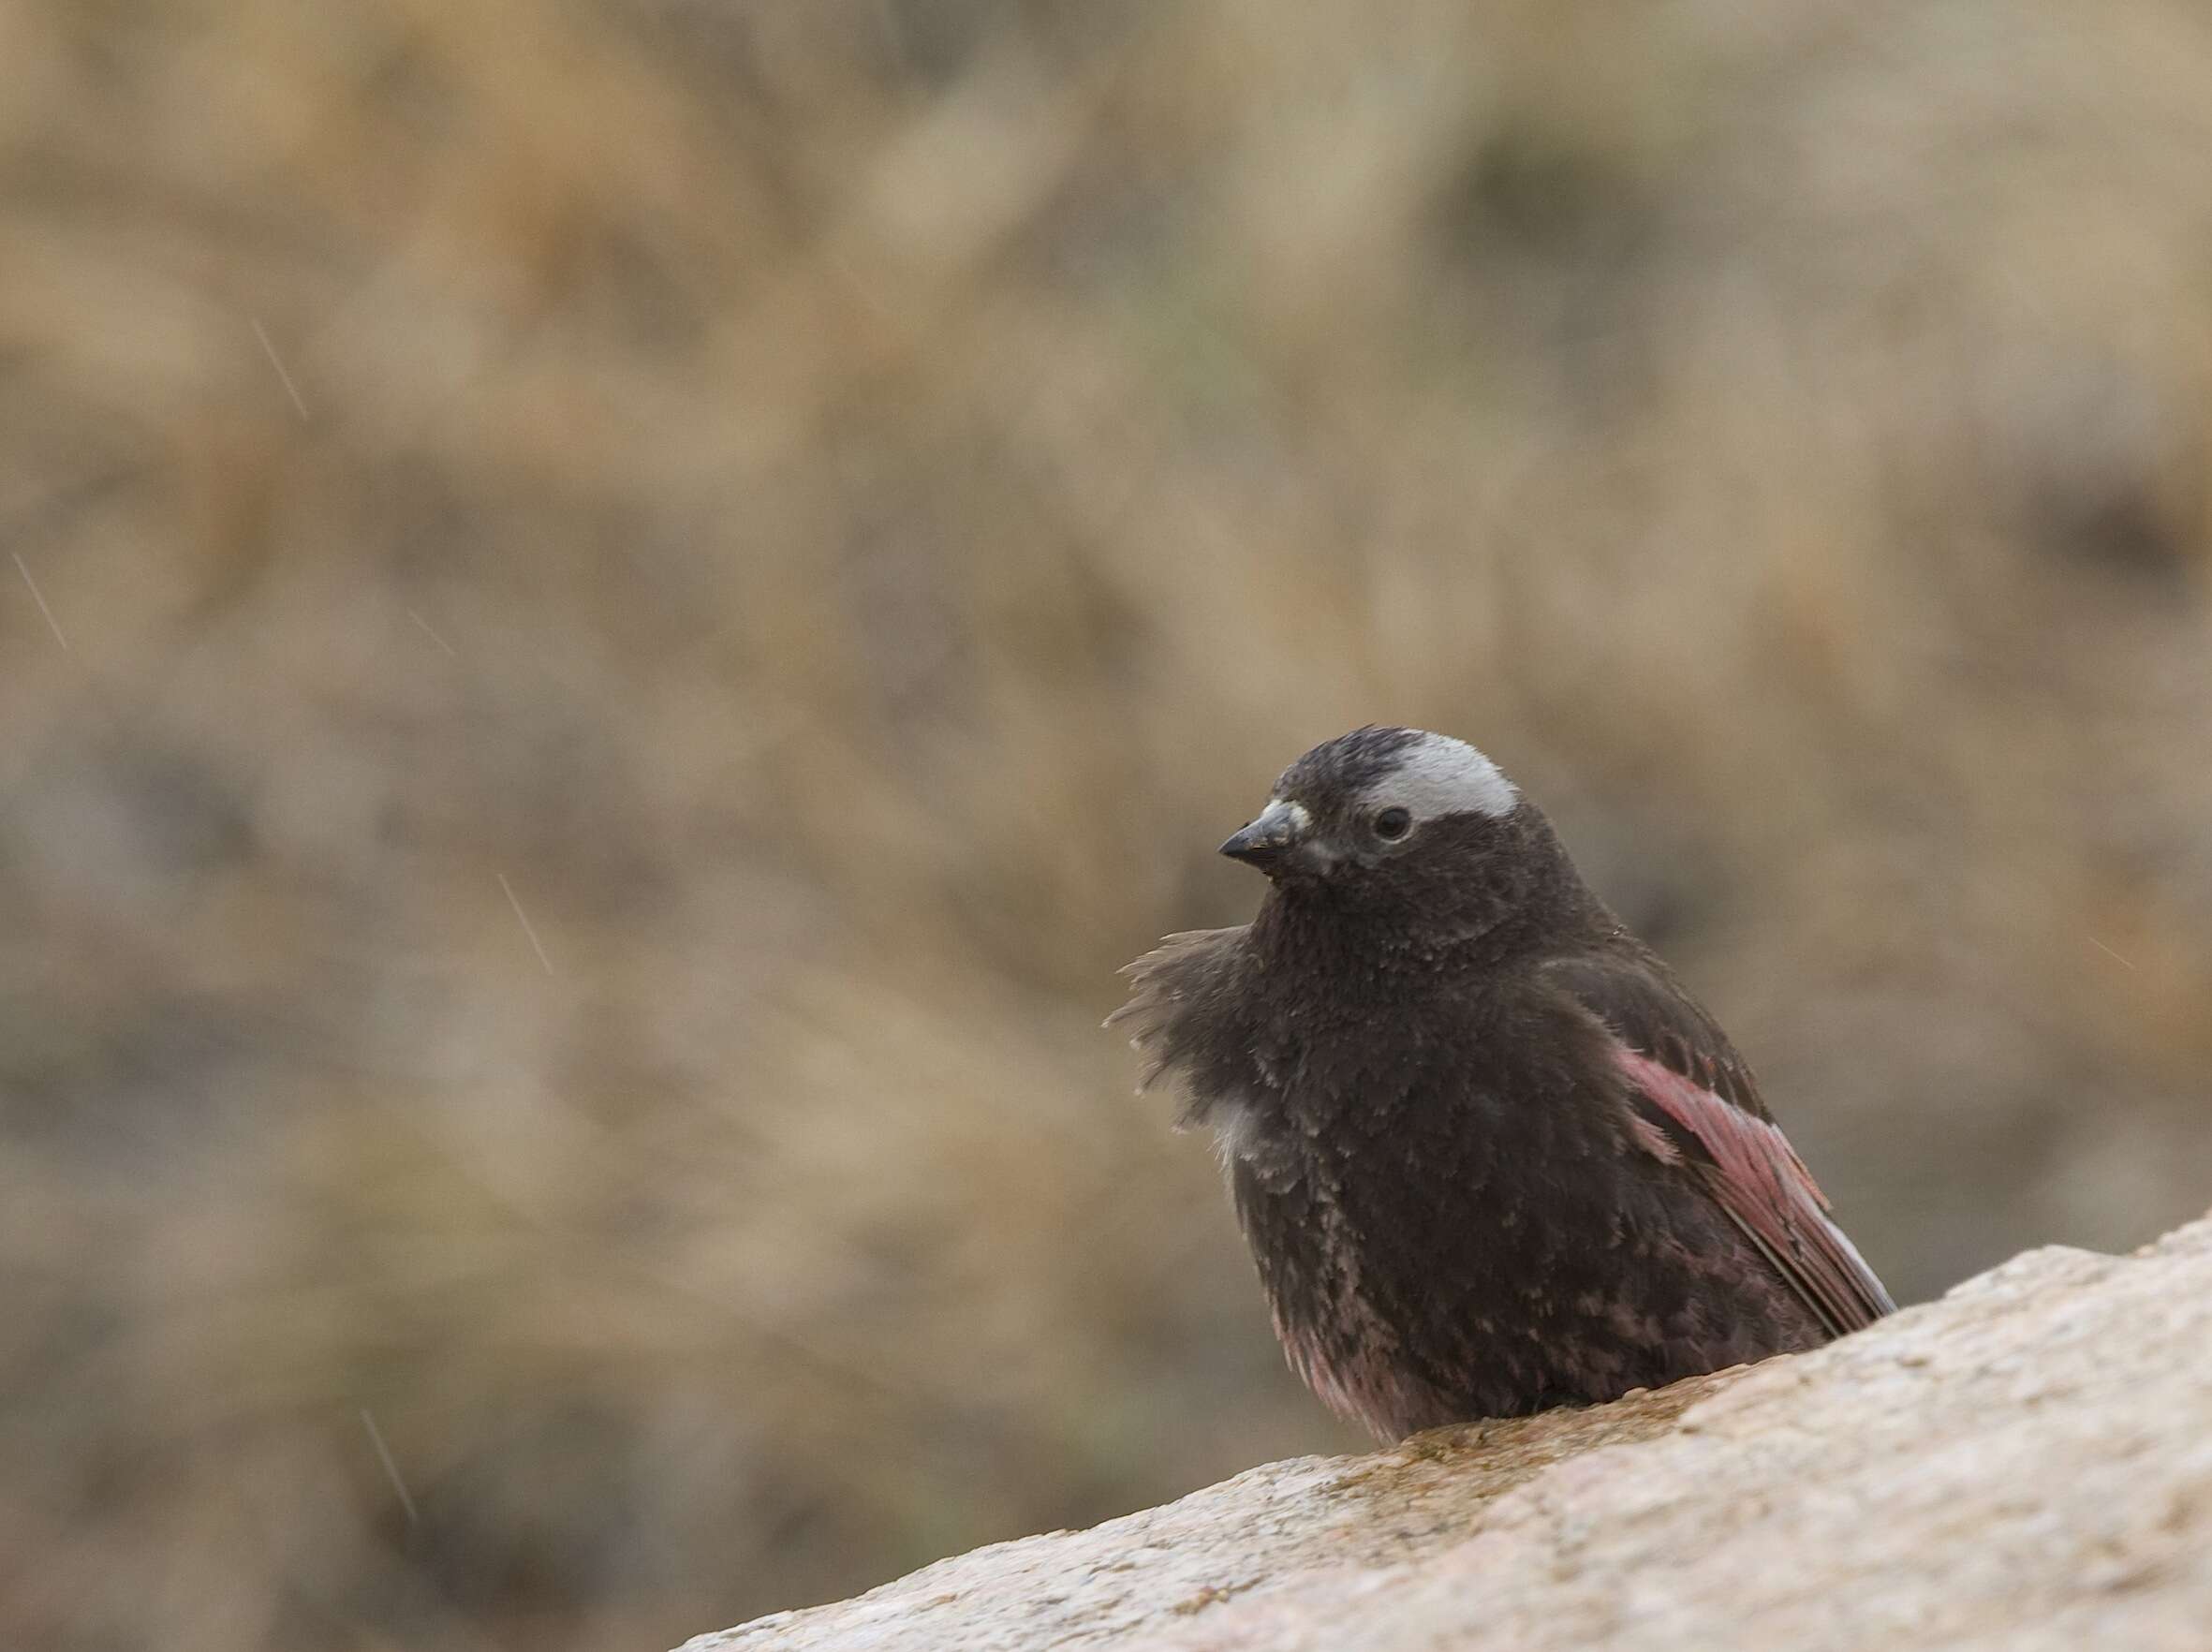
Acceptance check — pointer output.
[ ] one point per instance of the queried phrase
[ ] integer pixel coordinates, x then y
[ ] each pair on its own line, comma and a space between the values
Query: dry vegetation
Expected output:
839, 506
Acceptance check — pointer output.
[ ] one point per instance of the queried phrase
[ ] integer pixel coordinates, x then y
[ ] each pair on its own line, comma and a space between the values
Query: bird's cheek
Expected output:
1317, 857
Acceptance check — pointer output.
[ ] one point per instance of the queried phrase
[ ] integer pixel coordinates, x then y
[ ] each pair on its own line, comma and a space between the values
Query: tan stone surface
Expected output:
2027, 1463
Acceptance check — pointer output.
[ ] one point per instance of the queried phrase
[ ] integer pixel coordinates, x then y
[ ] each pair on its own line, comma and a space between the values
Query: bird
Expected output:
1490, 1157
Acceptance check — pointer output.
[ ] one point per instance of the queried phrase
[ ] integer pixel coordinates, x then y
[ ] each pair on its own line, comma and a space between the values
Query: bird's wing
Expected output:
1182, 1018
1695, 1103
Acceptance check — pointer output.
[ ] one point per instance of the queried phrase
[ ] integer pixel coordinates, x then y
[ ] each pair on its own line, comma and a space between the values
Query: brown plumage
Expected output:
1488, 1153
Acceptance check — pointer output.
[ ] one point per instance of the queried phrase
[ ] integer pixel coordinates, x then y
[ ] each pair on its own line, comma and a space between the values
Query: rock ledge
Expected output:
2025, 1464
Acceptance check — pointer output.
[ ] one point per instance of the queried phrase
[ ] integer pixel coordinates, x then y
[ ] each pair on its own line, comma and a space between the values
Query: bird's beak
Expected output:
1280, 828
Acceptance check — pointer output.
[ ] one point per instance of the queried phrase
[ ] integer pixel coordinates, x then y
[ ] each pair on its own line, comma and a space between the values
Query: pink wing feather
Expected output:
1756, 1176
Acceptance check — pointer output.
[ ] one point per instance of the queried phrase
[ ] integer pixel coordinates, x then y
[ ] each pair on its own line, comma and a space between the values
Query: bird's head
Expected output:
1398, 819
1373, 799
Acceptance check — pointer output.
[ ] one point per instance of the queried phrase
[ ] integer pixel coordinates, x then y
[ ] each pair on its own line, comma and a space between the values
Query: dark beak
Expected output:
1279, 829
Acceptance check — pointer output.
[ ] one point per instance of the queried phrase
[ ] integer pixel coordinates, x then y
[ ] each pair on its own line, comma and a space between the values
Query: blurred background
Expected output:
618, 615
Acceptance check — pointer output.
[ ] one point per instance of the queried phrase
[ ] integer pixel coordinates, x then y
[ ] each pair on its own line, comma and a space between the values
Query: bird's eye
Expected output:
1392, 824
